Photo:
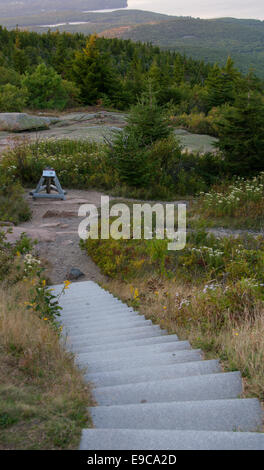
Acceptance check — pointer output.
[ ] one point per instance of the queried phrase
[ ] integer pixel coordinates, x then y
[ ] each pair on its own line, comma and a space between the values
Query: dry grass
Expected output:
239, 344
43, 397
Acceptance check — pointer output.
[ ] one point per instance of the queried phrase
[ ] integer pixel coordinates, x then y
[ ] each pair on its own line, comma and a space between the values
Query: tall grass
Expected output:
177, 307
43, 397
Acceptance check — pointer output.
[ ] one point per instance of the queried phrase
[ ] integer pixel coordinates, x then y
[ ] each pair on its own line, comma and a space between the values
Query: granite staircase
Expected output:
153, 392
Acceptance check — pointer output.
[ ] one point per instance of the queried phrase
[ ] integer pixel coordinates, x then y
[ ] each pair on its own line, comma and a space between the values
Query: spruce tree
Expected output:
241, 131
148, 120
221, 84
93, 73
131, 153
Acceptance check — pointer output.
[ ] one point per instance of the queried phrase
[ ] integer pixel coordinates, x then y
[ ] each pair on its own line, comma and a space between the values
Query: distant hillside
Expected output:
24, 7
209, 40
68, 20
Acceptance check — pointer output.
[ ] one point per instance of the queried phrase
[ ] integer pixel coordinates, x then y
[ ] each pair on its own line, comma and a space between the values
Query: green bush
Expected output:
13, 207
9, 76
12, 98
47, 89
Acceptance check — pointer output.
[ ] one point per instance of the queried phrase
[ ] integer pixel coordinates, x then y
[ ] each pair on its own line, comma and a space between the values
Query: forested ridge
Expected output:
72, 69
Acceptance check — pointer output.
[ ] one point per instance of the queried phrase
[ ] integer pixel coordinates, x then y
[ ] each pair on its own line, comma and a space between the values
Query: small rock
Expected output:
75, 273
6, 224
67, 242
50, 225
62, 214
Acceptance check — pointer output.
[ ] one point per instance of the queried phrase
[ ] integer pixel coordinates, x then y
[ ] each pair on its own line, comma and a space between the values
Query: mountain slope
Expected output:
210, 40
13, 8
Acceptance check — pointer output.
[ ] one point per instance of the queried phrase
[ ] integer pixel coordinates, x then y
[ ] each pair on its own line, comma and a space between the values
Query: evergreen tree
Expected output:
221, 84
241, 133
132, 152
93, 73
148, 120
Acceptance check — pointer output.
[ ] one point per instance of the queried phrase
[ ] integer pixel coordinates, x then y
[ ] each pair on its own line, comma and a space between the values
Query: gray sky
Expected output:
203, 8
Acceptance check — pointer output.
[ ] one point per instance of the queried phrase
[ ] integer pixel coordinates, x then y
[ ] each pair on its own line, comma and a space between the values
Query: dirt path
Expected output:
55, 224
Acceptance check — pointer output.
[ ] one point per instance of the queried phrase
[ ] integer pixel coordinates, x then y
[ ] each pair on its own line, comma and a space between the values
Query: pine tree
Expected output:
131, 153
221, 84
242, 135
93, 73
148, 120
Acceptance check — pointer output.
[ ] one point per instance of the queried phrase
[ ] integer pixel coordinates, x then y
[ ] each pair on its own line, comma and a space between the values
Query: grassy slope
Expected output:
239, 347
43, 397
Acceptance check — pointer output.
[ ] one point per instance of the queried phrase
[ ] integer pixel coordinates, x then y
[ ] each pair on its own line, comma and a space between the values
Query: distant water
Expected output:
201, 8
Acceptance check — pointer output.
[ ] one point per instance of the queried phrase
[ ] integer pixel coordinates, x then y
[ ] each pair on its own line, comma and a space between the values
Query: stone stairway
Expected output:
153, 391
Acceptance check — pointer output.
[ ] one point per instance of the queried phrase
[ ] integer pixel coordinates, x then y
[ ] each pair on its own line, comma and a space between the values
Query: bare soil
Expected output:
57, 234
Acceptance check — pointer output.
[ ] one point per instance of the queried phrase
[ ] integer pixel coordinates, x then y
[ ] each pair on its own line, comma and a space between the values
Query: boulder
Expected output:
74, 274
19, 122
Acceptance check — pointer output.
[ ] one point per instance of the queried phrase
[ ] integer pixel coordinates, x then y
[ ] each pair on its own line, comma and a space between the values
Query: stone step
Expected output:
139, 361
204, 387
137, 375
108, 339
208, 415
114, 323
148, 439
78, 317
87, 302
81, 309
134, 351
122, 330
125, 344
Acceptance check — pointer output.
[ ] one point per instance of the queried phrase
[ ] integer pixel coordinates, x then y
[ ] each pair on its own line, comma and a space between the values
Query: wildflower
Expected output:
66, 284
44, 282
164, 308
136, 294
45, 319
18, 254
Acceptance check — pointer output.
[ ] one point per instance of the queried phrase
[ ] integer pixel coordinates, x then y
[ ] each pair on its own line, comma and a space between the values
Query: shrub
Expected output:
197, 123
47, 90
13, 207
9, 76
12, 98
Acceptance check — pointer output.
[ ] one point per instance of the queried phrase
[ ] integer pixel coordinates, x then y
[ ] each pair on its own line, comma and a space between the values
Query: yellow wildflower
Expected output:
18, 254
67, 284
136, 294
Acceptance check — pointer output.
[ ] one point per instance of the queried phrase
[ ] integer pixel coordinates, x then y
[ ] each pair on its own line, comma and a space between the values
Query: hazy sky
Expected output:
203, 8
